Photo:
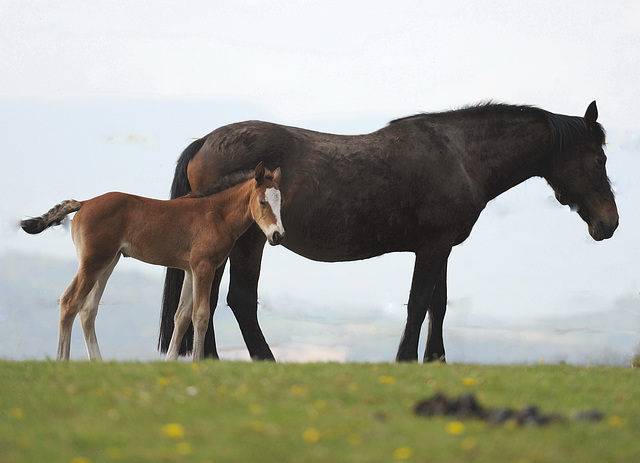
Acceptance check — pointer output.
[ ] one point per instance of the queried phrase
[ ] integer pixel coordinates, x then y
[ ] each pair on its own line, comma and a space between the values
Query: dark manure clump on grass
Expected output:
467, 406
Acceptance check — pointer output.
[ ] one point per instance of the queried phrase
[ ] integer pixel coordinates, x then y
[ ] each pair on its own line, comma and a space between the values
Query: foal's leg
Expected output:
202, 278
245, 260
427, 269
72, 300
89, 312
67, 315
435, 344
182, 318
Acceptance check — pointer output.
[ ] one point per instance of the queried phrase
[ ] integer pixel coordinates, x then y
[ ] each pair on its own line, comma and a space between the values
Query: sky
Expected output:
100, 96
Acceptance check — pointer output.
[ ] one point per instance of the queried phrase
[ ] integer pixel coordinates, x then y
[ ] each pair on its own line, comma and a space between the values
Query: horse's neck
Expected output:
233, 206
501, 162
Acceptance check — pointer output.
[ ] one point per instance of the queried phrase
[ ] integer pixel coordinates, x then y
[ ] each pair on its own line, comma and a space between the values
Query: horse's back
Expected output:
239, 147
395, 150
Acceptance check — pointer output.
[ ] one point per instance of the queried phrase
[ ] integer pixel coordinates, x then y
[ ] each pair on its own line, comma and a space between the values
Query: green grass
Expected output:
238, 412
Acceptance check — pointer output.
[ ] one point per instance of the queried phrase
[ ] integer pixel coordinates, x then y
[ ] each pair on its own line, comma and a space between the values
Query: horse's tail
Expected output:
54, 216
174, 277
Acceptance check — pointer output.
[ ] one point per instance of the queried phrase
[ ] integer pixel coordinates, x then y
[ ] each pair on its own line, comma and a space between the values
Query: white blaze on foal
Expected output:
275, 231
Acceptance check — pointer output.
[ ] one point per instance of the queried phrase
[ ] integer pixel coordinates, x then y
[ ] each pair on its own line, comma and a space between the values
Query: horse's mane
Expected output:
225, 182
565, 131
568, 131
481, 109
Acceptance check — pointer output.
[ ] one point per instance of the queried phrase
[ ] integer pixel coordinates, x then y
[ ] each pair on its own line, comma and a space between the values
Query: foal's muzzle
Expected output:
276, 238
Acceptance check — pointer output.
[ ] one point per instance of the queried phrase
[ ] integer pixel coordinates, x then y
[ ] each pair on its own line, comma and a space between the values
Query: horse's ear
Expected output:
591, 116
259, 173
277, 175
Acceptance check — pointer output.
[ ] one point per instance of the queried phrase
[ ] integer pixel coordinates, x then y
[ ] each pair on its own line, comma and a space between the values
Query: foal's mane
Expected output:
229, 181
225, 183
565, 131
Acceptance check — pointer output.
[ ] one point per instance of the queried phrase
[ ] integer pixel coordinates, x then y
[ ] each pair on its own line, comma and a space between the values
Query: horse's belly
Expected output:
323, 251
335, 234
344, 240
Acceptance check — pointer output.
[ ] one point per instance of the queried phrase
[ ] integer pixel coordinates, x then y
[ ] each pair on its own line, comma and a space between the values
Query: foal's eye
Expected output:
263, 203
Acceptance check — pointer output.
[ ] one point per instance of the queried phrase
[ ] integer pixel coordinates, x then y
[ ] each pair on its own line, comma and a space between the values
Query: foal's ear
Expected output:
277, 175
259, 173
591, 116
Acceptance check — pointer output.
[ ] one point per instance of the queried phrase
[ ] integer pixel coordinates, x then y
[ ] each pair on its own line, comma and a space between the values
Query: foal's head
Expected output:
578, 175
265, 203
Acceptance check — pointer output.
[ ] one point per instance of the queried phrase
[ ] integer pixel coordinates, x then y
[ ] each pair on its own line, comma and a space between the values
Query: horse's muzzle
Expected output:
603, 229
276, 238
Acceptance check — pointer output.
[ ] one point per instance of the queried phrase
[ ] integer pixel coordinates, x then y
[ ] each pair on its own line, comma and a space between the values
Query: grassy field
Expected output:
83, 412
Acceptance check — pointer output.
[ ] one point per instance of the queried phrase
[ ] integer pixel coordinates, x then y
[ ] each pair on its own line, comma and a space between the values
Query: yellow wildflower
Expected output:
469, 381
173, 430
299, 390
455, 428
255, 409
617, 421
402, 453
164, 381
311, 435
320, 404
387, 379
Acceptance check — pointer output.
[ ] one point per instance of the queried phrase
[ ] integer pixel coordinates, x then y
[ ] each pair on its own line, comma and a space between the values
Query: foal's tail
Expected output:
54, 216
174, 277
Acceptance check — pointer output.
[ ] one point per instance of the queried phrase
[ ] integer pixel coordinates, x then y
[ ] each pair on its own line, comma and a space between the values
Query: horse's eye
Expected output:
601, 161
263, 203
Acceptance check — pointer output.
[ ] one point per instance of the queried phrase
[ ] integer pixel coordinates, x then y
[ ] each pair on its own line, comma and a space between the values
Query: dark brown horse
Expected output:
418, 184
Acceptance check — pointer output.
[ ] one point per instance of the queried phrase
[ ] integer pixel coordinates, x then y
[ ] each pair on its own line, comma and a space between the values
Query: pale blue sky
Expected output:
98, 96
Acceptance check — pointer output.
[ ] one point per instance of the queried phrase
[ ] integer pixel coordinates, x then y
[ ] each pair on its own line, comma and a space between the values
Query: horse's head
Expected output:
266, 201
578, 174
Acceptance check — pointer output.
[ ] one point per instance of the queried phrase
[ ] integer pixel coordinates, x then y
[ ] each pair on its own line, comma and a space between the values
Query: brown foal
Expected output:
194, 234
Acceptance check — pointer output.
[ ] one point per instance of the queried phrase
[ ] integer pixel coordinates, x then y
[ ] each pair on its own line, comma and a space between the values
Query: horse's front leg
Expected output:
202, 279
245, 260
435, 344
428, 267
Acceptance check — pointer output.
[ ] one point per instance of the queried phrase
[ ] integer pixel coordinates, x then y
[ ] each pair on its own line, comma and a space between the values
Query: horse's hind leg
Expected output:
68, 311
245, 260
89, 312
182, 318
72, 300
168, 322
210, 350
